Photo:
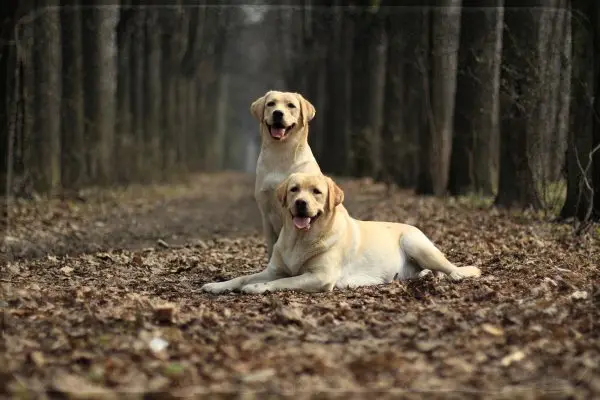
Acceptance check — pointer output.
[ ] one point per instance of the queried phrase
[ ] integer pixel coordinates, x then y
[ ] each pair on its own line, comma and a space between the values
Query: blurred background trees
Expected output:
492, 98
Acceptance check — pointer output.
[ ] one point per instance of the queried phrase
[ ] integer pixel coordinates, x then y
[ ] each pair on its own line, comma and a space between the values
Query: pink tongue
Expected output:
277, 132
301, 223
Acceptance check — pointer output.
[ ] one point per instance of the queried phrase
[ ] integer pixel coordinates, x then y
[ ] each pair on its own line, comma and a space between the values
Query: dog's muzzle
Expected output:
301, 218
278, 130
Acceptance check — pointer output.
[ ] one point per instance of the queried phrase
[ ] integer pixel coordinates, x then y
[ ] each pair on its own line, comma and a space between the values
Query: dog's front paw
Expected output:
216, 287
255, 288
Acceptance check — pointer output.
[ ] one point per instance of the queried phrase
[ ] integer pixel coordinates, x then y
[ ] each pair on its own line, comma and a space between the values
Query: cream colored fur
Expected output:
279, 158
336, 250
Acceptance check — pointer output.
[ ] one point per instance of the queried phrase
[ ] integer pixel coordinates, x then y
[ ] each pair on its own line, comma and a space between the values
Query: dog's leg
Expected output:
270, 235
420, 249
236, 283
308, 282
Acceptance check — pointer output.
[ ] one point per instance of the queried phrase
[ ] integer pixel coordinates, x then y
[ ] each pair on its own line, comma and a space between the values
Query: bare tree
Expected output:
439, 88
151, 143
367, 68
473, 165
99, 33
124, 141
43, 158
520, 92
399, 142
582, 185
73, 126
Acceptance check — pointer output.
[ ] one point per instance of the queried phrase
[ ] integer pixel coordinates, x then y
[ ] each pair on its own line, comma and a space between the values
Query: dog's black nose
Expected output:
300, 205
277, 114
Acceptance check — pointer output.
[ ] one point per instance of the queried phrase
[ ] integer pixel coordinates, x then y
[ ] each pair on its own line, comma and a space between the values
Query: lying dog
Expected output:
321, 246
284, 119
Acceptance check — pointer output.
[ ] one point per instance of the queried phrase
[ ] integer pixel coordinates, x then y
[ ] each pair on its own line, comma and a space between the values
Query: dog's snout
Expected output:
300, 204
277, 114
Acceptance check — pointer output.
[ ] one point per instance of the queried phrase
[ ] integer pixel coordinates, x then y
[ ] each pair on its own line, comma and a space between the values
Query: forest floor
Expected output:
92, 288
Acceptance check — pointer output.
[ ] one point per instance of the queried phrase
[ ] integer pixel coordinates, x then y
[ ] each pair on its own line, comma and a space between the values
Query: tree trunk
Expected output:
124, 141
520, 75
9, 80
366, 70
73, 127
582, 121
547, 147
395, 141
436, 140
137, 91
595, 167
151, 144
335, 138
44, 146
475, 141
100, 89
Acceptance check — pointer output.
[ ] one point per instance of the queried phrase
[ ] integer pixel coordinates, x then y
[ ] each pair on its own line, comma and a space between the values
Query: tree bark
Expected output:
99, 33
125, 141
583, 123
475, 142
44, 146
395, 141
335, 136
151, 144
520, 75
8, 87
137, 92
366, 70
436, 140
73, 127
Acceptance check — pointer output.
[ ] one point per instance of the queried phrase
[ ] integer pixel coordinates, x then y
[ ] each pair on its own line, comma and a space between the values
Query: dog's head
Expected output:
309, 198
281, 114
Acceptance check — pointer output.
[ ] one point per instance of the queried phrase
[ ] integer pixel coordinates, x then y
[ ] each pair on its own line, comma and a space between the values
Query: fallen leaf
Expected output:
66, 270
258, 376
165, 312
492, 330
38, 358
511, 358
157, 344
162, 243
579, 295
76, 387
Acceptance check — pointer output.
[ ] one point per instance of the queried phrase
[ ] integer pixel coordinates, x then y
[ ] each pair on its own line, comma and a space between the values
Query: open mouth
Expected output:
303, 223
278, 130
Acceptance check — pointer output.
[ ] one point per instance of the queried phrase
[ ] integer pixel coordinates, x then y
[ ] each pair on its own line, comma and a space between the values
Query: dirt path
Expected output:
89, 287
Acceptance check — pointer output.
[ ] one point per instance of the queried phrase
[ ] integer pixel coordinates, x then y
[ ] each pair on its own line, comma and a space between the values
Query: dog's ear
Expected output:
335, 195
307, 109
281, 192
257, 108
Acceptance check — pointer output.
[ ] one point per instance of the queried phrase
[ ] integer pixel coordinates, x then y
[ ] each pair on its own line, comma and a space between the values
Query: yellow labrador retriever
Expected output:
283, 119
321, 246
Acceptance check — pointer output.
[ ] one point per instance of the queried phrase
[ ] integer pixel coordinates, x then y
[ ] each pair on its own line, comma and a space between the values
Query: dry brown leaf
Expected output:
76, 387
492, 330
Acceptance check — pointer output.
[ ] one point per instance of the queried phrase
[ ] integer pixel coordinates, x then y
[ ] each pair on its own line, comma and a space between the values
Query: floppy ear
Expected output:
257, 108
307, 109
335, 195
281, 192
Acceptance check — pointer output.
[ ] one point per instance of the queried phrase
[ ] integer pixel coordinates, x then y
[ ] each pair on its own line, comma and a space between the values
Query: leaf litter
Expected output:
102, 299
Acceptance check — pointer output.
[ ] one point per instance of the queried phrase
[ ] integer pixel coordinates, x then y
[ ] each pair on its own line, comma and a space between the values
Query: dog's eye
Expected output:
270, 104
316, 191
291, 105
294, 189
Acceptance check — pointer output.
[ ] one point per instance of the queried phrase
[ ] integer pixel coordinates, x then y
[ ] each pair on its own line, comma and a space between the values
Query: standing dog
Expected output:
283, 119
321, 246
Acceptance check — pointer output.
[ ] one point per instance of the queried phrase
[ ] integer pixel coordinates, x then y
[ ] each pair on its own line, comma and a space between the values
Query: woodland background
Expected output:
493, 98
126, 157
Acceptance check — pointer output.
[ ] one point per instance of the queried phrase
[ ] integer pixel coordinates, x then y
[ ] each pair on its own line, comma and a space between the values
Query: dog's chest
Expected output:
270, 182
